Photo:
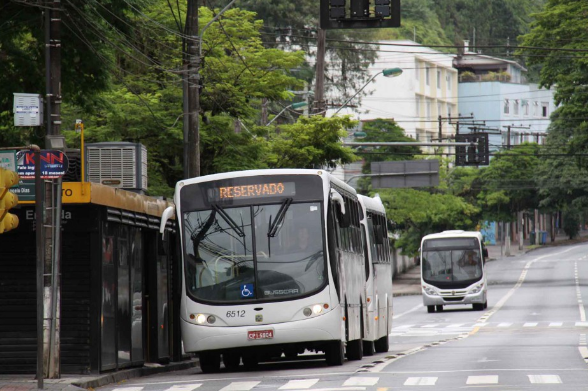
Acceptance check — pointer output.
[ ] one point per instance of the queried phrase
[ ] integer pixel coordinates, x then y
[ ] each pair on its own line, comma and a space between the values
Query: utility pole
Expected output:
319, 89
192, 93
509, 127
51, 226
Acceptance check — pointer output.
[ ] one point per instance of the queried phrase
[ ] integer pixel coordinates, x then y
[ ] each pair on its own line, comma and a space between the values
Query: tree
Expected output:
508, 184
564, 68
418, 213
312, 142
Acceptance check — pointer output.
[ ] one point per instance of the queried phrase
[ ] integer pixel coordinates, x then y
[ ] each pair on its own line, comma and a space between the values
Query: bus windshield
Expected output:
254, 253
447, 262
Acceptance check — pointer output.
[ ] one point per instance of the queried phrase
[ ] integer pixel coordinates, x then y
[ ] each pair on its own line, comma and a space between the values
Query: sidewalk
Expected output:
84, 382
409, 282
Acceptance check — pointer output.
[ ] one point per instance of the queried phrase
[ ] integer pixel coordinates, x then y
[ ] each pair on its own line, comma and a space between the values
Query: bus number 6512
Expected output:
235, 314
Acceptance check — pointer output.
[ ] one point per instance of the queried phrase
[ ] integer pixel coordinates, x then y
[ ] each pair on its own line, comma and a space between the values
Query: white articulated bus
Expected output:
452, 270
272, 264
378, 268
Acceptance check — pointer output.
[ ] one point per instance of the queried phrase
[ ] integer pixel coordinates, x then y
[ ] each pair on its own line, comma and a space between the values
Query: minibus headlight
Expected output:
477, 288
430, 291
200, 319
307, 311
211, 319
317, 309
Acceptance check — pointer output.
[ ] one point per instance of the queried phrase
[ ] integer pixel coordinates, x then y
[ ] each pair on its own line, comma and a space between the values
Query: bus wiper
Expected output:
275, 226
228, 219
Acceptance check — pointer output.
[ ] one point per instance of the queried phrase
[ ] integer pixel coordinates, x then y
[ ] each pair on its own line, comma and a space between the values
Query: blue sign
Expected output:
54, 164
246, 290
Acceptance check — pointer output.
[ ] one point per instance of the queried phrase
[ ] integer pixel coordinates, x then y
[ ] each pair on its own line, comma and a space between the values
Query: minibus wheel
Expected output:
430, 308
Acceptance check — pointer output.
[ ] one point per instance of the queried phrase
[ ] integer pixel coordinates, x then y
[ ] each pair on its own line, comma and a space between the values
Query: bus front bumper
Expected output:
446, 298
198, 338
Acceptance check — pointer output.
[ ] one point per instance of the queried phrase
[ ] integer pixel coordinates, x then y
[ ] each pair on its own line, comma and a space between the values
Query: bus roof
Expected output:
454, 234
372, 203
272, 171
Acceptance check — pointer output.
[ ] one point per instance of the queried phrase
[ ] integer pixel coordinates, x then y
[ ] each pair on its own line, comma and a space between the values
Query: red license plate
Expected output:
260, 334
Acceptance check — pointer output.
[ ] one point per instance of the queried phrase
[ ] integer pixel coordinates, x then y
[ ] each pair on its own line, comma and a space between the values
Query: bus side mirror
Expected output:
165, 216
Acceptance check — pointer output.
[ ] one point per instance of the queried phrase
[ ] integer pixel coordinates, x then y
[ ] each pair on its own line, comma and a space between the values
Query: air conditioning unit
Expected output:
117, 164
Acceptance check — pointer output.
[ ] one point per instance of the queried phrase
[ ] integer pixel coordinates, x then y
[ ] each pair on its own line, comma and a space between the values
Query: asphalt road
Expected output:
532, 336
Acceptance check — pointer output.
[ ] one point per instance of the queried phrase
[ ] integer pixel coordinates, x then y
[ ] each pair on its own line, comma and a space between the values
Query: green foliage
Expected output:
311, 142
571, 222
508, 184
553, 27
420, 213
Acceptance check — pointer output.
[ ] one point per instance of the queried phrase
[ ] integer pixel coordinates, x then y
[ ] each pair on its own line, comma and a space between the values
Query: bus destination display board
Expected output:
258, 190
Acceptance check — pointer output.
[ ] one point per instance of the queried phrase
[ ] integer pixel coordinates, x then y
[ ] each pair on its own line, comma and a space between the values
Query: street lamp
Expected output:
294, 106
388, 72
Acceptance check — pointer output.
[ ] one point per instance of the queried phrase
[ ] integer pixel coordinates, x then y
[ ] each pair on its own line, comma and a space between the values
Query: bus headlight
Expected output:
477, 288
315, 309
430, 290
211, 319
200, 319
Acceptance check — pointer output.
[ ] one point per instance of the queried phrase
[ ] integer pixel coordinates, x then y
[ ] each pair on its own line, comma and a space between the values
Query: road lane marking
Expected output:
420, 381
299, 384
128, 389
240, 386
418, 307
492, 379
520, 281
184, 387
555, 324
544, 379
361, 381
530, 324
504, 324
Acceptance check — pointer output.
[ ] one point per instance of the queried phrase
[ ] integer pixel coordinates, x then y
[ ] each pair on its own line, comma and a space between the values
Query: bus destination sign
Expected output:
260, 190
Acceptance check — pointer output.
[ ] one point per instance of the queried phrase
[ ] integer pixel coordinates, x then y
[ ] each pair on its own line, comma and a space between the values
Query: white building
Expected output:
426, 90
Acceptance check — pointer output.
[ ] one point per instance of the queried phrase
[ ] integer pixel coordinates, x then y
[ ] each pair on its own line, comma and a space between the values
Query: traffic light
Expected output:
476, 154
8, 200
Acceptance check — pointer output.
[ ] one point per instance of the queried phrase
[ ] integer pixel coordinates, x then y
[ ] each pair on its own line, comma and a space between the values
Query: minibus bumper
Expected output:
446, 299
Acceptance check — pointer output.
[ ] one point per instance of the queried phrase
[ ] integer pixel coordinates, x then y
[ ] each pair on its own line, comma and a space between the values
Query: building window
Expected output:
536, 109
427, 76
418, 107
525, 107
417, 69
439, 109
449, 111
448, 80
438, 79
506, 106
516, 107
428, 109
544, 109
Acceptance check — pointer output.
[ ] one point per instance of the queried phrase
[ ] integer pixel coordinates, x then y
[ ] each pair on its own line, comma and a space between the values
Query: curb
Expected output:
103, 380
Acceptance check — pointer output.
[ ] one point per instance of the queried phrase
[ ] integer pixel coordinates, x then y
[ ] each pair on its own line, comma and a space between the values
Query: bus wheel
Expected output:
439, 308
368, 348
209, 362
355, 349
231, 361
335, 353
382, 345
430, 308
250, 361
478, 306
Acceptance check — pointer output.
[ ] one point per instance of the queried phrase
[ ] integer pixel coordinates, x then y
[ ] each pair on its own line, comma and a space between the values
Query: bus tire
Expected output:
355, 349
439, 308
382, 344
231, 361
430, 308
335, 353
368, 348
209, 362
